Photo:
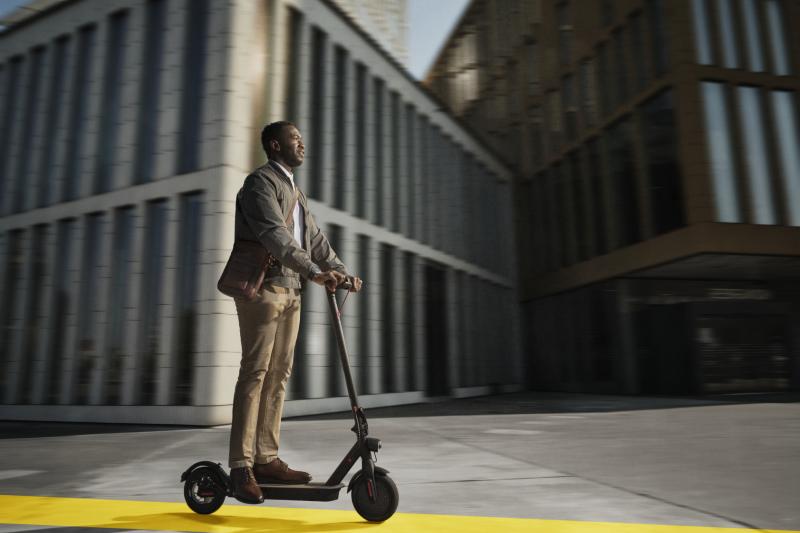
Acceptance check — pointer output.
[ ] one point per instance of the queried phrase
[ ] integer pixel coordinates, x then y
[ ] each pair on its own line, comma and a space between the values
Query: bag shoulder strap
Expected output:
291, 211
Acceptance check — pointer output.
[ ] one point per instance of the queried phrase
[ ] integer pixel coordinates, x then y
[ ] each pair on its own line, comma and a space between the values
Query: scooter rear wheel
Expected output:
203, 491
386, 499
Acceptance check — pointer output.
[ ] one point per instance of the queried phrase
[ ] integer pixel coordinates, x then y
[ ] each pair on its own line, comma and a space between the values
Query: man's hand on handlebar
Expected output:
329, 279
332, 280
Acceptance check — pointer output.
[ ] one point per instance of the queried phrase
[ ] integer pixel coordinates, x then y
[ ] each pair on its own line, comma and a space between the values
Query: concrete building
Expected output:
384, 20
127, 128
657, 190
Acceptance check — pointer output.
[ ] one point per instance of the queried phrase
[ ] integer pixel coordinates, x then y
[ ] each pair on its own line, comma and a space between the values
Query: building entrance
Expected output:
742, 353
437, 381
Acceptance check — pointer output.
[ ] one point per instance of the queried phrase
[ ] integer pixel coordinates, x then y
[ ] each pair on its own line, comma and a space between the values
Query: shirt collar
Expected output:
286, 171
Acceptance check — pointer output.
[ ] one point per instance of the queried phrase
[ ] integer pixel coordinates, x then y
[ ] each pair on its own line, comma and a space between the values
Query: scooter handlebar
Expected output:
344, 285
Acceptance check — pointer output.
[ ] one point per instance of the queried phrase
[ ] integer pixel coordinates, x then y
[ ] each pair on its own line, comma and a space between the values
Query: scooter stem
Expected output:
358, 413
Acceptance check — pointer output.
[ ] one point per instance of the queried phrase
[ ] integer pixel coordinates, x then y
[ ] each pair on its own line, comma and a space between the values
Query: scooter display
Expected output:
374, 494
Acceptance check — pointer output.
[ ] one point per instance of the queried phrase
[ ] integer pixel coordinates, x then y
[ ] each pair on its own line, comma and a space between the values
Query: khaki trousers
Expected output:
268, 328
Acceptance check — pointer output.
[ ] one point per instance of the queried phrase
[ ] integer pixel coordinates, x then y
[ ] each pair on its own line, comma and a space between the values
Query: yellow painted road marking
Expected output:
122, 514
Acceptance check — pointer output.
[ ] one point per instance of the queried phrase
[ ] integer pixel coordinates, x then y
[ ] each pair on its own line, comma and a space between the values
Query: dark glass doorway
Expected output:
437, 380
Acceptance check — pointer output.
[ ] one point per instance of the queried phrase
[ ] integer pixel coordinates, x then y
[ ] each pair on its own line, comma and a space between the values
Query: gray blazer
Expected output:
263, 207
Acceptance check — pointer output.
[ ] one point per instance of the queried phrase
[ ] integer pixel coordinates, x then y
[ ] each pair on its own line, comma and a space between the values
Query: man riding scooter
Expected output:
274, 212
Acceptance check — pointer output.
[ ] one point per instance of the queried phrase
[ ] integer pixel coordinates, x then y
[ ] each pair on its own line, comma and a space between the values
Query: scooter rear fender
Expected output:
216, 468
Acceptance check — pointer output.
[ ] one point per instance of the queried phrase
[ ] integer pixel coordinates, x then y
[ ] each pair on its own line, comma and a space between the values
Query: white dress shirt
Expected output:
299, 220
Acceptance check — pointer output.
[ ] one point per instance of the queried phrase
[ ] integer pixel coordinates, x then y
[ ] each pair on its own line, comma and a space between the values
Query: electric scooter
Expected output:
374, 494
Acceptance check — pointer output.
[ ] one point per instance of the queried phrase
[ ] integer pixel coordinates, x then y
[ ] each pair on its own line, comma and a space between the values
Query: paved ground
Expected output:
724, 462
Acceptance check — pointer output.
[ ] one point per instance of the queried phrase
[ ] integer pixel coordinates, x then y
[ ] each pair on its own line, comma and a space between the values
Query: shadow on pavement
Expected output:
31, 430
533, 402
502, 404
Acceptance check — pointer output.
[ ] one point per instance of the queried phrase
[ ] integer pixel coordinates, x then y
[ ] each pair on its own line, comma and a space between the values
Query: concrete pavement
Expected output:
731, 462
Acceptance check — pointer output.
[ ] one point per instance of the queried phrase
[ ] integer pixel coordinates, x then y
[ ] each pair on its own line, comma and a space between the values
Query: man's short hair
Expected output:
272, 131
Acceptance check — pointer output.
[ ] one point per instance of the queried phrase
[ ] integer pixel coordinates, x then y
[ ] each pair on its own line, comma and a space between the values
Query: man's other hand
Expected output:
355, 281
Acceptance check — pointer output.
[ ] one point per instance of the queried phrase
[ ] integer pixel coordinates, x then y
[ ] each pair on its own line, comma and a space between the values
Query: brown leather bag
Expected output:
246, 267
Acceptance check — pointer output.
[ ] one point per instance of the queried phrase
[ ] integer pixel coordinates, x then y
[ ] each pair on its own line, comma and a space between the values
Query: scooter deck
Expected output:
318, 492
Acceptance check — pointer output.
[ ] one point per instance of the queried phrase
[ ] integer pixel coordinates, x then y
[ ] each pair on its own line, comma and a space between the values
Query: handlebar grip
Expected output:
345, 285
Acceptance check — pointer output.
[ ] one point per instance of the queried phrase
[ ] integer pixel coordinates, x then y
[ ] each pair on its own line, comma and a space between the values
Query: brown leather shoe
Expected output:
276, 471
245, 488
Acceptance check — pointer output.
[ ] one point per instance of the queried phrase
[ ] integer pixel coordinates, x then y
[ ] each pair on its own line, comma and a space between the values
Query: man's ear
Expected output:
275, 145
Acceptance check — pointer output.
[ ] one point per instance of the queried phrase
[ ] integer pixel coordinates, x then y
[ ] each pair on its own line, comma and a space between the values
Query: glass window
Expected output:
532, 71
579, 207
755, 52
658, 36
730, 52
87, 351
409, 306
341, 114
32, 325
361, 139
622, 174
660, 133
784, 112
190, 136
566, 227
15, 263
637, 49
606, 12
294, 39
411, 161
621, 73
365, 319
702, 35
378, 151
424, 157
537, 245
14, 79
28, 129
63, 300
55, 101
751, 115
110, 107
122, 255
723, 170
777, 39
78, 114
556, 128
319, 62
186, 298
149, 91
598, 196
387, 318
570, 119
564, 33
602, 79
587, 96
553, 224
396, 176
150, 322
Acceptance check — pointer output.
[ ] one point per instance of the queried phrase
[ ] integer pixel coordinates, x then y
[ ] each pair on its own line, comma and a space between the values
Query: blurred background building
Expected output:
126, 129
384, 20
656, 154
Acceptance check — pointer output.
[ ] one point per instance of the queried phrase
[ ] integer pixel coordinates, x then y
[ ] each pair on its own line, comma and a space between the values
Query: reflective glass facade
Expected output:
721, 153
757, 155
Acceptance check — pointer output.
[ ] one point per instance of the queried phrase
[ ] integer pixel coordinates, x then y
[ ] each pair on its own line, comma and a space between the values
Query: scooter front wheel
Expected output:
203, 491
386, 498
